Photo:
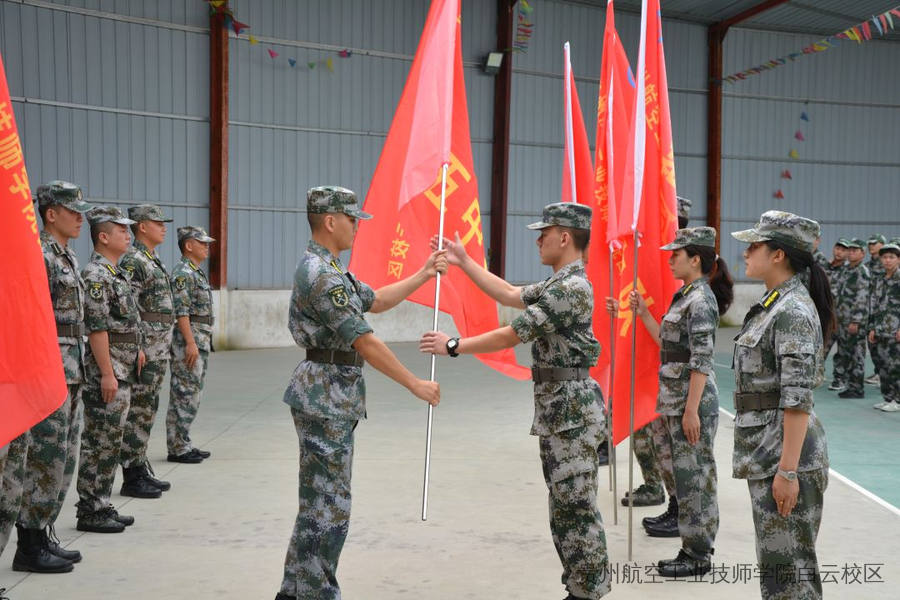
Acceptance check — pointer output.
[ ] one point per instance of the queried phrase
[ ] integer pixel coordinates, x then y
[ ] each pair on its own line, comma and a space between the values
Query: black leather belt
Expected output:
674, 356
744, 401
202, 319
124, 338
155, 317
74, 330
335, 357
545, 374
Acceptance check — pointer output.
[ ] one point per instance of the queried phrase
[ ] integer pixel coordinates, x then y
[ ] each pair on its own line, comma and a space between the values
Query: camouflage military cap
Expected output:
62, 193
192, 232
692, 236
843, 242
684, 207
877, 238
108, 214
892, 246
784, 227
564, 214
855, 243
334, 199
147, 212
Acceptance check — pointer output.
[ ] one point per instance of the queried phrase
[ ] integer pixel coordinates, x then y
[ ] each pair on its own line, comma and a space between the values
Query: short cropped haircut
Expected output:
580, 237
98, 228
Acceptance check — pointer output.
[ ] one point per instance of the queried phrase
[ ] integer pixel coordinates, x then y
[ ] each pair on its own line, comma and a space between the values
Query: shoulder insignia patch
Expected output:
179, 282
339, 296
96, 290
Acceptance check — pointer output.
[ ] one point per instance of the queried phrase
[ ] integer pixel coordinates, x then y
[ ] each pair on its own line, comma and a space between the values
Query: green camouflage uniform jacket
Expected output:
67, 296
150, 284
779, 349
836, 276
326, 312
851, 302
820, 259
689, 326
192, 296
873, 264
884, 319
557, 319
109, 306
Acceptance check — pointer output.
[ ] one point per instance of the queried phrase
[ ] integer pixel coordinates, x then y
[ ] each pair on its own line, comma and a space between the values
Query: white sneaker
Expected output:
879, 406
873, 379
890, 407
837, 386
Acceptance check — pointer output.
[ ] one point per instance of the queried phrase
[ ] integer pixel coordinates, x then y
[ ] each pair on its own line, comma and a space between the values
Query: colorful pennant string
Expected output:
524, 26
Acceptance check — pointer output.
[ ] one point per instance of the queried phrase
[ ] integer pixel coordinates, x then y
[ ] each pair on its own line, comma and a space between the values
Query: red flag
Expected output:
615, 106
32, 381
396, 241
648, 207
578, 172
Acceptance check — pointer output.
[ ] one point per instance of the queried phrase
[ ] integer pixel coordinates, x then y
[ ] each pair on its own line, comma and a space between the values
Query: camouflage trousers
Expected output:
653, 452
142, 414
101, 443
850, 360
51, 463
876, 359
12, 476
786, 546
185, 388
887, 349
323, 517
694, 470
570, 464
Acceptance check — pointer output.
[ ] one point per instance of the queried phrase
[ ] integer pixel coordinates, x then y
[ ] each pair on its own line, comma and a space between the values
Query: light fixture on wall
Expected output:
492, 63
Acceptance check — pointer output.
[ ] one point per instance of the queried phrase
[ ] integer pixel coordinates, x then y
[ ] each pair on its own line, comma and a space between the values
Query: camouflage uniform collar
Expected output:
325, 254
102, 260
573, 267
48, 238
142, 247
190, 263
772, 297
690, 287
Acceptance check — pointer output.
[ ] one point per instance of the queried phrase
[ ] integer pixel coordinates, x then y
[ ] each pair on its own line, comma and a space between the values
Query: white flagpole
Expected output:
612, 377
437, 298
570, 131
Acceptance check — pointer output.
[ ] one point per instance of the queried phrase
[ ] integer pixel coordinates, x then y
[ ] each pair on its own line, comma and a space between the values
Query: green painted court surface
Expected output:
862, 442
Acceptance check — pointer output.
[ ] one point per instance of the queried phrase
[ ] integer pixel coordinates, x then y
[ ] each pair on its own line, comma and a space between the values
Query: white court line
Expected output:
873, 497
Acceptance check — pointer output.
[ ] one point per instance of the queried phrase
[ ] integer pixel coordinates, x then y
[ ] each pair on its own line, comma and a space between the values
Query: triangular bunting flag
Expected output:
877, 24
778, 194
794, 154
217, 3
889, 18
799, 136
311, 65
329, 62
292, 62
344, 53
239, 27
867, 31
804, 116
272, 53
253, 41
786, 174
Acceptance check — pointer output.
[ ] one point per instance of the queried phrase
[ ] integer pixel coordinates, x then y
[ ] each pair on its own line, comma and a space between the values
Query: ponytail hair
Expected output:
819, 290
720, 281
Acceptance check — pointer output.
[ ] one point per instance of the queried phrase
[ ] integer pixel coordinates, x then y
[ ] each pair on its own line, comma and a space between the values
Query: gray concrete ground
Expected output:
222, 530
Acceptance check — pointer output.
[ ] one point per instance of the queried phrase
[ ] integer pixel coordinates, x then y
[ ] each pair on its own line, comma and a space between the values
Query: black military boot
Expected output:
668, 527
53, 546
603, 454
280, 596
671, 510
33, 556
150, 476
126, 520
684, 565
136, 486
101, 521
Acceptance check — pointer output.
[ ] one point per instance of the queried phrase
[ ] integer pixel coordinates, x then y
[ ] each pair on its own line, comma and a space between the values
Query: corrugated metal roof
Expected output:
819, 17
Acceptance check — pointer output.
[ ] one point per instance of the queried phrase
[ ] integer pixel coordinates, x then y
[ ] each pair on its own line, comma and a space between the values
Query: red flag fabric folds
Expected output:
32, 381
396, 242
578, 172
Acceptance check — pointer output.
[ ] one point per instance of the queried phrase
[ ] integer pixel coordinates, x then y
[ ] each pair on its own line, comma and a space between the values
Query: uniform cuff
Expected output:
797, 398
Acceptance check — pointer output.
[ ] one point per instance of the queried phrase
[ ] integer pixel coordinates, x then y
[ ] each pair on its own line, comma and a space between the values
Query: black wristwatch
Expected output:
452, 345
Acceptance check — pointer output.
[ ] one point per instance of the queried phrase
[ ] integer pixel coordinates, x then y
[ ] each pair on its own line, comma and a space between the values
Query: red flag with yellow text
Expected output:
32, 381
615, 105
648, 207
578, 172
395, 242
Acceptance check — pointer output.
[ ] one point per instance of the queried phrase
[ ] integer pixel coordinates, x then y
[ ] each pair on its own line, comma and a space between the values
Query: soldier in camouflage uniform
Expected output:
191, 343
688, 401
779, 443
876, 272
852, 302
884, 327
327, 391
114, 361
13, 458
835, 272
150, 285
569, 415
54, 441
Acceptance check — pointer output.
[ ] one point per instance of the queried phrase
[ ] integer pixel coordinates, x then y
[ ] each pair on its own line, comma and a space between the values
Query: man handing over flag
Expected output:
430, 129
649, 209
32, 381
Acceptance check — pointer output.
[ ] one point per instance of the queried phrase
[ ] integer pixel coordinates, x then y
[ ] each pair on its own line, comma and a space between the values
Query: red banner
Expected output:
652, 209
395, 243
578, 172
32, 381
615, 106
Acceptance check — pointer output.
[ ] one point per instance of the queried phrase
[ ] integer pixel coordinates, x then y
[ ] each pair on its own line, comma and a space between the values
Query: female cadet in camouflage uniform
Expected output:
569, 415
688, 399
884, 327
779, 443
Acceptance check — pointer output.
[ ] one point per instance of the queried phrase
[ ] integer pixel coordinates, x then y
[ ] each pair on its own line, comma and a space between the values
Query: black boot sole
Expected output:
91, 529
644, 503
21, 567
156, 493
